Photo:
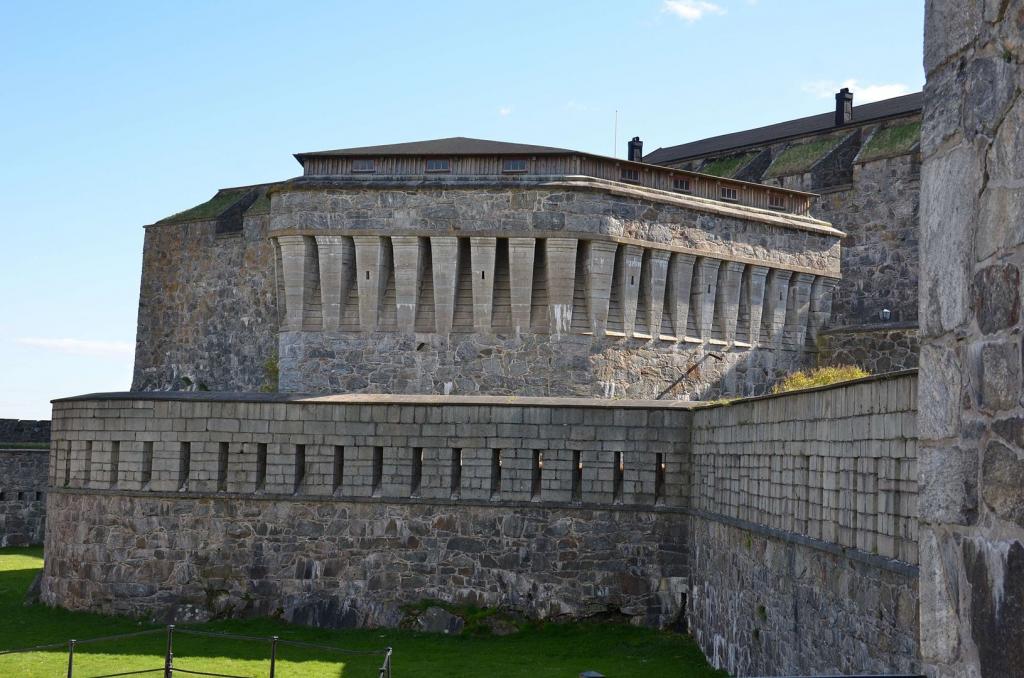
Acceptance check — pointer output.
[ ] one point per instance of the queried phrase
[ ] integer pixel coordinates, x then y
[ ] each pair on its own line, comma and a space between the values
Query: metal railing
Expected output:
169, 669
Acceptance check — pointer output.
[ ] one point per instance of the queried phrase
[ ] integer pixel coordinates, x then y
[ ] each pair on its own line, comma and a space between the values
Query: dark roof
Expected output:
887, 108
449, 146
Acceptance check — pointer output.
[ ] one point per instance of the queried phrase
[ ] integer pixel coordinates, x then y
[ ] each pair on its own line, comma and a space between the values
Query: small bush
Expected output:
822, 376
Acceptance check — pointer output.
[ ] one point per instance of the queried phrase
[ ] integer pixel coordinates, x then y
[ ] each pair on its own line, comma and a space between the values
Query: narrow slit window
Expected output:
115, 462
67, 465
339, 468
261, 466
495, 474
456, 474
513, 165
538, 471
147, 463
184, 465
87, 464
300, 467
729, 193
222, 468
439, 165
577, 476
364, 166
378, 469
659, 477
39, 496
619, 472
417, 471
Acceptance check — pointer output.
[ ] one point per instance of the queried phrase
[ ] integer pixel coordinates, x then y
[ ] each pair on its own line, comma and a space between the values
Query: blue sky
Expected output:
114, 115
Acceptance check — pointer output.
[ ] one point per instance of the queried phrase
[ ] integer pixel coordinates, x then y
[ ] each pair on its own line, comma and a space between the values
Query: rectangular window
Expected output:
776, 201
364, 166
630, 175
577, 476
378, 469
39, 496
417, 471
682, 185
222, 468
659, 477
495, 474
300, 467
184, 465
456, 474
619, 472
147, 463
339, 468
87, 464
513, 165
538, 470
115, 462
261, 467
439, 165
728, 193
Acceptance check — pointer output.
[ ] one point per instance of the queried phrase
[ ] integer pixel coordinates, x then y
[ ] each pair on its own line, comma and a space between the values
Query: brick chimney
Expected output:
844, 106
636, 150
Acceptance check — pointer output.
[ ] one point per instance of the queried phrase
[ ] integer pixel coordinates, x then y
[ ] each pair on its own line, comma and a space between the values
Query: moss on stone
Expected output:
727, 166
261, 206
891, 141
210, 209
799, 158
822, 376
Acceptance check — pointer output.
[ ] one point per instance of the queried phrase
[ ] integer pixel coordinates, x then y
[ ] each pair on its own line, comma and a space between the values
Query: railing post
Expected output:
169, 655
273, 656
71, 658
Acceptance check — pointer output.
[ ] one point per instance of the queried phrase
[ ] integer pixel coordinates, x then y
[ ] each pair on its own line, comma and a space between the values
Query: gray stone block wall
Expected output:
875, 348
23, 487
339, 509
208, 308
970, 418
24, 431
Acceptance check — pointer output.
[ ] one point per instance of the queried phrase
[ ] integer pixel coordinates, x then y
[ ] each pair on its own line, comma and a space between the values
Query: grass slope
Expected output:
891, 141
540, 651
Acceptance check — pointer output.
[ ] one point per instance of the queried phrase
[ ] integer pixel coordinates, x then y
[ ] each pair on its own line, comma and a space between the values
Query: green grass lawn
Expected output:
542, 651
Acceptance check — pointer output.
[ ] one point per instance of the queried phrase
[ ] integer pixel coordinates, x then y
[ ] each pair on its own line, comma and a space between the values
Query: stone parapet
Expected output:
23, 485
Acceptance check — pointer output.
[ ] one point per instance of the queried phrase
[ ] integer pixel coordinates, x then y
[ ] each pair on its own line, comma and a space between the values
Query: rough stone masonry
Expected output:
971, 420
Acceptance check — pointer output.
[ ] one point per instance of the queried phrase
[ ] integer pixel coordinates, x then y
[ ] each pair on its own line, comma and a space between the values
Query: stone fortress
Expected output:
472, 371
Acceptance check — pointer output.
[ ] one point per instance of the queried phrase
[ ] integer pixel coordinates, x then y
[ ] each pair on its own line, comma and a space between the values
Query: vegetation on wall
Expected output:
821, 376
799, 158
891, 141
727, 166
271, 375
210, 209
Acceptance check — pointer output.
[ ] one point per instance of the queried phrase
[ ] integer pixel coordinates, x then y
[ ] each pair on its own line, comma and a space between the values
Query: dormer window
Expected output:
513, 165
682, 185
439, 165
729, 193
630, 175
364, 166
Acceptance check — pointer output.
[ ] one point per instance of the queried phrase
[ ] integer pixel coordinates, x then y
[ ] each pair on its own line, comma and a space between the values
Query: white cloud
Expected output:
691, 10
505, 111
86, 347
862, 94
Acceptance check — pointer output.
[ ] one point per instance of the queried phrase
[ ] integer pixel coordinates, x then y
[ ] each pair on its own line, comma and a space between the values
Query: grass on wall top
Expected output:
210, 209
821, 376
799, 158
891, 141
727, 166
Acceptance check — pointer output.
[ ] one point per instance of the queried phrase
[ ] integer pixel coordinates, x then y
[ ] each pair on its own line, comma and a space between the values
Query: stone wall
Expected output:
24, 431
625, 287
208, 314
971, 419
803, 545
875, 348
337, 510
23, 483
